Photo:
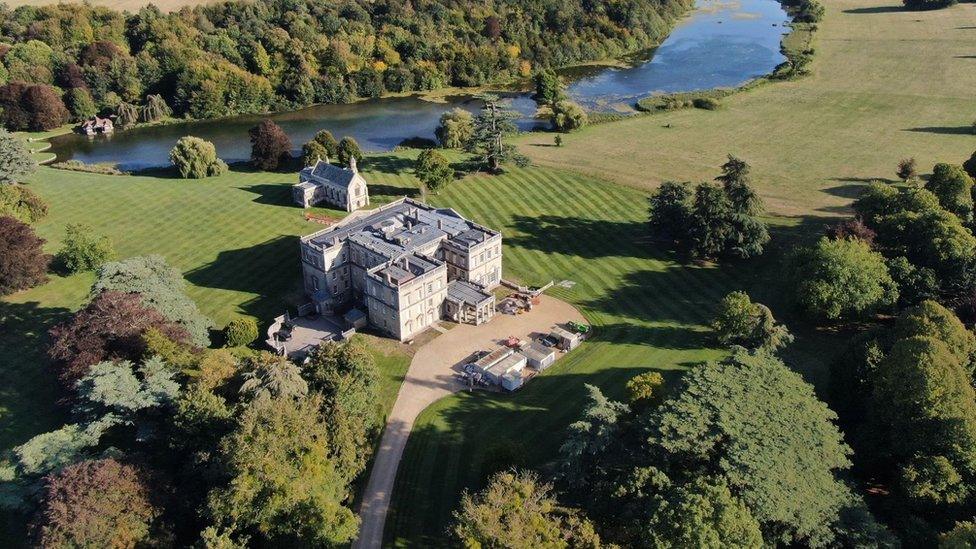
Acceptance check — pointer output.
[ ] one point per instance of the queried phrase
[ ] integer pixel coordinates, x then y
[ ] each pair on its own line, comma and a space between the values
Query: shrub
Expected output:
23, 263
270, 146
907, 169
82, 250
970, 166
79, 166
241, 332
195, 158
21, 203
15, 160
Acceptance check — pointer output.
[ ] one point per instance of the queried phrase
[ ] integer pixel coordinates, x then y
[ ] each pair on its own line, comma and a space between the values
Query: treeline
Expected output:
244, 57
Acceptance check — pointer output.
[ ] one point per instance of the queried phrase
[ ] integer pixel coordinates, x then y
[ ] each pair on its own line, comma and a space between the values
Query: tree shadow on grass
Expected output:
876, 9
387, 164
943, 130
272, 194
270, 271
587, 238
392, 192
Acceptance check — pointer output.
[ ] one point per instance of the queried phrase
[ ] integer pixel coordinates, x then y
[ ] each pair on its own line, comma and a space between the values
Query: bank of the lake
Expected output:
720, 44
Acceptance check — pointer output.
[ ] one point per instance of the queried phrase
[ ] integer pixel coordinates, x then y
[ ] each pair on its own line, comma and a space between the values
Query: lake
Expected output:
719, 44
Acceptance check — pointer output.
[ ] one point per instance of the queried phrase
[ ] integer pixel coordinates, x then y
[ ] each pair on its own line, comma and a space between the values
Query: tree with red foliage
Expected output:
100, 54
111, 327
23, 263
97, 503
852, 228
32, 107
270, 146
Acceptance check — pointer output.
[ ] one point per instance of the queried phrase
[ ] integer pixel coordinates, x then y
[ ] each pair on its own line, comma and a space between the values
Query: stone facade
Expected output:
343, 188
407, 264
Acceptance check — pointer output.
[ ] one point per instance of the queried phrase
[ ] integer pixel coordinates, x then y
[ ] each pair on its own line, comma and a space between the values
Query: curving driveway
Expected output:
430, 378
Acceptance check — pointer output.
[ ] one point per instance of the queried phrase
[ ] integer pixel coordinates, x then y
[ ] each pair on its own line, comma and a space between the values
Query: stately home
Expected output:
343, 188
407, 264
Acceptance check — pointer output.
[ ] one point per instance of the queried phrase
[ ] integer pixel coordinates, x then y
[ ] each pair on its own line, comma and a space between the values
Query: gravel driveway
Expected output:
431, 378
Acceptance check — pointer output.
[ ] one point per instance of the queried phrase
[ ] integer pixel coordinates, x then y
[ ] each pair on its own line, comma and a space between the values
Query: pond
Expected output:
720, 44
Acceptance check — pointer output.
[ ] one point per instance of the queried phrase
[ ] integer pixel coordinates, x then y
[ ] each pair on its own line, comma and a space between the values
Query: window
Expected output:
315, 282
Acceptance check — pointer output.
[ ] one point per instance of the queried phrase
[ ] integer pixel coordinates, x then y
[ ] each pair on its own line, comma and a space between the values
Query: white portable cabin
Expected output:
567, 340
512, 380
538, 355
512, 362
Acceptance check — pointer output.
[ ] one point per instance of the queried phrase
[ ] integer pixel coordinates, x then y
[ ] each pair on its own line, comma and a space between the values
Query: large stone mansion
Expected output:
408, 264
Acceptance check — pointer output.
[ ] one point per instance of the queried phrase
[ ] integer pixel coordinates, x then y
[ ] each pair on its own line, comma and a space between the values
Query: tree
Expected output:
739, 321
161, 288
953, 187
842, 278
121, 390
349, 148
433, 170
735, 182
709, 228
751, 420
46, 109
270, 376
23, 263
21, 203
962, 536
491, 125
327, 140
282, 483
549, 88
907, 169
970, 165
80, 104
581, 455
568, 116
706, 515
313, 151
456, 129
670, 212
155, 109
16, 164
852, 228
82, 250
241, 332
924, 407
644, 390
214, 368
126, 114
195, 158
110, 327
346, 376
99, 503
270, 146
930, 319
516, 510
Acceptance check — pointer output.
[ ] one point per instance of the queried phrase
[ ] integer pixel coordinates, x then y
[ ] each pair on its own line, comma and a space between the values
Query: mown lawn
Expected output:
887, 84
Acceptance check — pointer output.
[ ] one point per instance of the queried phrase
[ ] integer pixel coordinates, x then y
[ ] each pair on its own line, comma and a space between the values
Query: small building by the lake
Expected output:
342, 188
97, 125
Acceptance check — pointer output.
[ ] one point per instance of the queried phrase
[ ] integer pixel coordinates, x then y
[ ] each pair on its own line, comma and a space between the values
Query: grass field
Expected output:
887, 84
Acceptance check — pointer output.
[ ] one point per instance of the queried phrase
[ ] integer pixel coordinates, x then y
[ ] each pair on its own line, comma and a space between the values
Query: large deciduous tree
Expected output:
283, 484
109, 328
456, 129
23, 263
21, 203
100, 503
517, 510
270, 146
348, 149
433, 170
161, 288
739, 321
953, 187
195, 158
750, 420
837, 279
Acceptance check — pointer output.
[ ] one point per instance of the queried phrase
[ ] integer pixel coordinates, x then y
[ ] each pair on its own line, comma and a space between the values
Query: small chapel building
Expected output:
342, 188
